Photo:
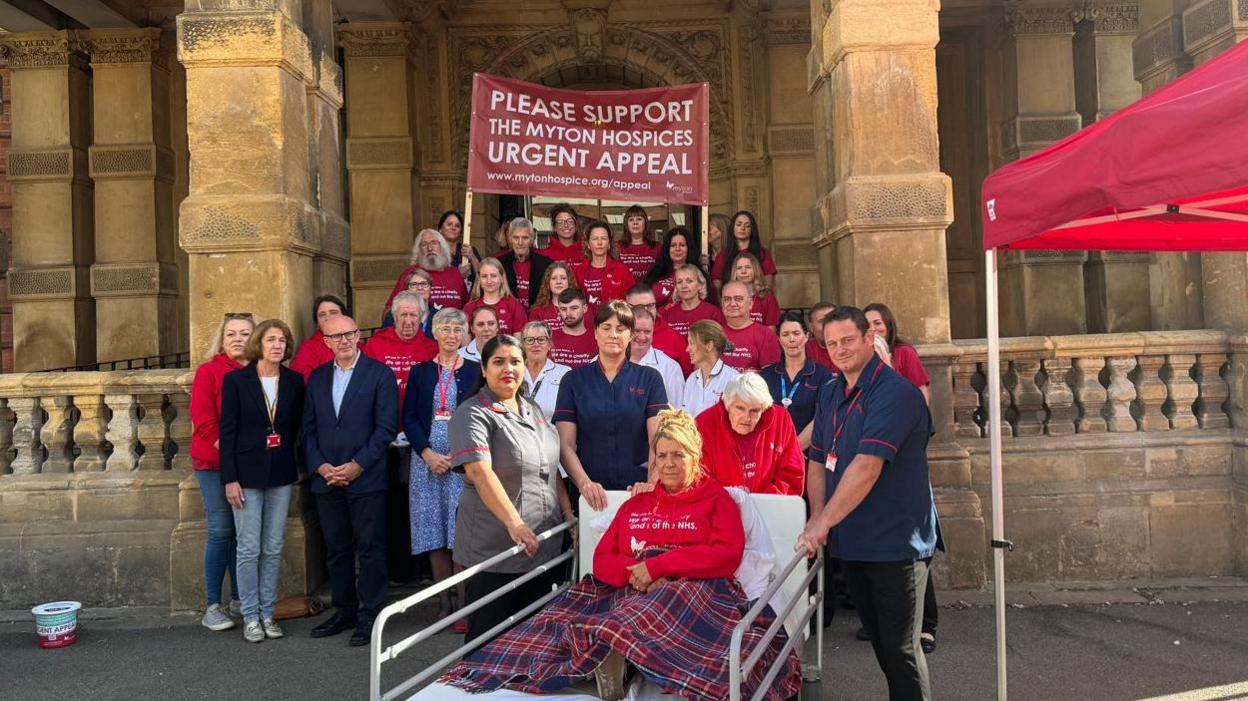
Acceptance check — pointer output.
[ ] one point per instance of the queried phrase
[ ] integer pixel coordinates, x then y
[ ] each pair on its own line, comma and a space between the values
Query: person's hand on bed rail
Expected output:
811, 539
521, 534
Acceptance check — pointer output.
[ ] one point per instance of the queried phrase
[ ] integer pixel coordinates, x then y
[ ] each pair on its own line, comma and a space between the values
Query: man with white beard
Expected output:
432, 253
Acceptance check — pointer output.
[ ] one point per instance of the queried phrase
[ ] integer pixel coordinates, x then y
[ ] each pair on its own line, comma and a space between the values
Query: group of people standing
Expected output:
523, 381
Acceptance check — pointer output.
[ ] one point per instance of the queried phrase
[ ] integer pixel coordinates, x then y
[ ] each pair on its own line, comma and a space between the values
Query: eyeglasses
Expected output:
734, 300
565, 222
230, 316
535, 340
651, 306
422, 285
344, 336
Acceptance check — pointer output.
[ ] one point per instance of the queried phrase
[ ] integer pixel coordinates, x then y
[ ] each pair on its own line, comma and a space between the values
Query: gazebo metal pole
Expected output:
999, 544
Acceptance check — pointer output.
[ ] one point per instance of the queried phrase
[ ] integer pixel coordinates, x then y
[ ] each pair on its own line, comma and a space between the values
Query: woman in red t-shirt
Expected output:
745, 237
675, 252
558, 277
602, 277
689, 304
492, 290
764, 309
637, 248
902, 356
228, 346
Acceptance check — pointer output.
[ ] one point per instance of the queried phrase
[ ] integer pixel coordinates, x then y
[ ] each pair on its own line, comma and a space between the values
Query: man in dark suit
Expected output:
350, 416
525, 267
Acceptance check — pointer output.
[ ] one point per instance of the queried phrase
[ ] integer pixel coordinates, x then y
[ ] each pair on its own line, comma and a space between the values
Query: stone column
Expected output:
381, 159
1116, 284
791, 150
249, 224
887, 212
134, 278
53, 243
1042, 291
325, 151
1209, 28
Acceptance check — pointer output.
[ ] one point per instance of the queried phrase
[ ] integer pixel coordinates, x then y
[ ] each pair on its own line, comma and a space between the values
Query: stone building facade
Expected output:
172, 161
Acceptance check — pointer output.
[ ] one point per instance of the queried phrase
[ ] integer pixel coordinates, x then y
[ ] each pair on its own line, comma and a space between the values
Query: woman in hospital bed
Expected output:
664, 598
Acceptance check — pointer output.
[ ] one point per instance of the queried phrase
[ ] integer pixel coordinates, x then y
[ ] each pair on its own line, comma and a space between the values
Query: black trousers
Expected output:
354, 526
498, 610
889, 597
931, 614
400, 563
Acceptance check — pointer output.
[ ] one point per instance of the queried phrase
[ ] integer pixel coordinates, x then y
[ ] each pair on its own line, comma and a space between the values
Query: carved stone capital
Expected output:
130, 45
1022, 20
1109, 17
60, 49
376, 39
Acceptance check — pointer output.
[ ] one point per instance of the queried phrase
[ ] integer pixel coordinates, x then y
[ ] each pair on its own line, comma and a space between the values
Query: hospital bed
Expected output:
779, 577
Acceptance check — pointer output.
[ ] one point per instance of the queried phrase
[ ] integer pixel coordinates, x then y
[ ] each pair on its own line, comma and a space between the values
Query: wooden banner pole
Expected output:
466, 238
706, 228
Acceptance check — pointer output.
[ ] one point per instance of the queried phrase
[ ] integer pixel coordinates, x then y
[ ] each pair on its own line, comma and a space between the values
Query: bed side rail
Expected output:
738, 670
379, 655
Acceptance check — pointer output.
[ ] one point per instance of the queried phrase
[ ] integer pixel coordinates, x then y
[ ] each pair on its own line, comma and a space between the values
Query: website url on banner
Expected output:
568, 180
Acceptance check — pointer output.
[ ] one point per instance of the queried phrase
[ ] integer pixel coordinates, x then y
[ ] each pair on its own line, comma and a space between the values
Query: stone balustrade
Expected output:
1110, 383
112, 422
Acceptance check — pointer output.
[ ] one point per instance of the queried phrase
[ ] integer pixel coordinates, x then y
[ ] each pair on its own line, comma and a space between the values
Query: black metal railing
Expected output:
170, 361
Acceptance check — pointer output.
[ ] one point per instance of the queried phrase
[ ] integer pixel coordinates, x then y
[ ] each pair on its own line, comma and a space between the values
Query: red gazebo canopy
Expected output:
1167, 173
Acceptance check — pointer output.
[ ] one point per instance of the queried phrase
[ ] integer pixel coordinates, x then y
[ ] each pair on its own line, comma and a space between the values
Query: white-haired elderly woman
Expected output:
431, 253
750, 442
434, 389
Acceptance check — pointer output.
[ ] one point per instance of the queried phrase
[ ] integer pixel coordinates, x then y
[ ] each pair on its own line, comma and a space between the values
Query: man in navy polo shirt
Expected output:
868, 453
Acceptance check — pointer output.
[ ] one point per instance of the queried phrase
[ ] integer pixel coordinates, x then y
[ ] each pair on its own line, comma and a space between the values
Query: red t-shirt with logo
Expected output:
385, 346
524, 270
601, 285
639, 258
663, 290
680, 319
766, 311
511, 314
573, 351
753, 347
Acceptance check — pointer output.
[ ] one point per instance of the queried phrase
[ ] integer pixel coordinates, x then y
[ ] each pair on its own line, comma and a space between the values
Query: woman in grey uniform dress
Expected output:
509, 453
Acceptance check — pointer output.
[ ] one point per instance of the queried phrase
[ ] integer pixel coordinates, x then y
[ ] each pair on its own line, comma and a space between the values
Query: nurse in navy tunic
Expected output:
607, 411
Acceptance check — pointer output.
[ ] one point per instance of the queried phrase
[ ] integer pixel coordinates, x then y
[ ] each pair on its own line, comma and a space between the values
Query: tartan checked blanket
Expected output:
678, 636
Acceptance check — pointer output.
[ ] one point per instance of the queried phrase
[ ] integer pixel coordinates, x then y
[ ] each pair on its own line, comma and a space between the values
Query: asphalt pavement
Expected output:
1195, 651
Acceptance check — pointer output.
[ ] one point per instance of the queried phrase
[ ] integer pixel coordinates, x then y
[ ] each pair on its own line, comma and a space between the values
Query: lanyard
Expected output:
271, 407
444, 386
787, 393
836, 430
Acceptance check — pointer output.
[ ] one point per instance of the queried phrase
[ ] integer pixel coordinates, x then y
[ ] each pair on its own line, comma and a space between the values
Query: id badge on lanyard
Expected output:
837, 427
274, 439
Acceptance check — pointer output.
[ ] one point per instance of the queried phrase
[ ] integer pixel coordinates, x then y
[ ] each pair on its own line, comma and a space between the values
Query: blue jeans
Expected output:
261, 527
219, 550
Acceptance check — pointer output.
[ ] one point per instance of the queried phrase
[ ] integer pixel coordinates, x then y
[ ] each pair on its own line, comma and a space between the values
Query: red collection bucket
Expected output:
56, 623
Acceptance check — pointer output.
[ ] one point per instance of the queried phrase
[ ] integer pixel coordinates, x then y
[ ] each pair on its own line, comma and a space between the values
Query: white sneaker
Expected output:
253, 633
215, 618
271, 629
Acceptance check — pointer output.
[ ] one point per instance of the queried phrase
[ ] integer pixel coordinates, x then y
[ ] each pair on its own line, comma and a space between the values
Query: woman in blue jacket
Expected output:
434, 389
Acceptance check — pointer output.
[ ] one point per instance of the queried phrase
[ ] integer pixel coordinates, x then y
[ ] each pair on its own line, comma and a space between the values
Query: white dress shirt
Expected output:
699, 397
673, 378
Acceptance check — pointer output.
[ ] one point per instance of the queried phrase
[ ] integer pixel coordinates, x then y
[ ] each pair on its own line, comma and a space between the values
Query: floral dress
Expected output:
433, 498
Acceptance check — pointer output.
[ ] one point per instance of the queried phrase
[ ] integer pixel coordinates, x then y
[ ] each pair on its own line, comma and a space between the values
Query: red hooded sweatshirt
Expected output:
310, 355
700, 528
386, 347
767, 461
206, 411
